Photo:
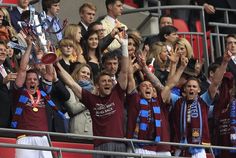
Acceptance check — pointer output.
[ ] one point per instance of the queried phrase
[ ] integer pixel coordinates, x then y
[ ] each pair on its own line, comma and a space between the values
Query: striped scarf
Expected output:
233, 124
24, 98
196, 124
144, 119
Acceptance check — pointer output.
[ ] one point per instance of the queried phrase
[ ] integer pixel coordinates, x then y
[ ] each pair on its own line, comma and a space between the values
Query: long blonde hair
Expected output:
184, 42
70, 33
155, 51
8, 19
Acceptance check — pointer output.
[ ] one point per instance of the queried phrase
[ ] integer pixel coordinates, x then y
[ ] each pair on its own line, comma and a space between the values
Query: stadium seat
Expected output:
7, 152
74, 146
181, 25
131, 3
198, 27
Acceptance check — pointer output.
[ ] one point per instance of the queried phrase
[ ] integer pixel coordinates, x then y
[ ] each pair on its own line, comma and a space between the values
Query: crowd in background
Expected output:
108, 81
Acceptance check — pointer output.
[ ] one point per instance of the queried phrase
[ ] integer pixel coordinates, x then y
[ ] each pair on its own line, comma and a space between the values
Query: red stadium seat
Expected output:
181, 25
199, 29
131, 3
7, 152
74, 146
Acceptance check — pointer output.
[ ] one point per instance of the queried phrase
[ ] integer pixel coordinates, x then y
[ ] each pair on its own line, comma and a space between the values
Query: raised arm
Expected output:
21, 75
172, 81
131, 82
151, 77
69, 81
218, 76
123, 78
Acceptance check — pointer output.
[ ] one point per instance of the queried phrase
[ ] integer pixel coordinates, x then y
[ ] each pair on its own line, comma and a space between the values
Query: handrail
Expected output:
192, 7
70, 135
8, 5
130, 11
222, 24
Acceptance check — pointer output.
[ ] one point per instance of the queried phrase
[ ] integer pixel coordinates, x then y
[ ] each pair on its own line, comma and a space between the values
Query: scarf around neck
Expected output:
233, 124
86, 85
144, 119
196, 122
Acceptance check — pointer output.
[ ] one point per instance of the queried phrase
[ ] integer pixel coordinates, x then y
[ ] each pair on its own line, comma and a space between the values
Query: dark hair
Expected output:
115, 54
25, 15
32, 71
91, 26
108, 2
166, 30
164, 16
86, 47
212, 68
100, 74
230, 35
48, 3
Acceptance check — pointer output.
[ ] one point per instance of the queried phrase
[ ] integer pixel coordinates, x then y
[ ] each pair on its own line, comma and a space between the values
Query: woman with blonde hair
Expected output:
183, 46
67, 48
159, 52
73, 32
80, 120
7, 32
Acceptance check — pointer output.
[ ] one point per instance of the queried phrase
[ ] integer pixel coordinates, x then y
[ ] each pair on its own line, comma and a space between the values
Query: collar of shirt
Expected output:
111, 19
233, 59
85, 26
21, 10
50, 18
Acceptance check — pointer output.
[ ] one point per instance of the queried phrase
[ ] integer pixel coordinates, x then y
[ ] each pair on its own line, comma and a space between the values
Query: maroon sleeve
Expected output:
120, 91
133, 111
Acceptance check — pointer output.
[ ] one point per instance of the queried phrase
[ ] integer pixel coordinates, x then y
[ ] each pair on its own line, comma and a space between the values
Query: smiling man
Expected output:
106, 106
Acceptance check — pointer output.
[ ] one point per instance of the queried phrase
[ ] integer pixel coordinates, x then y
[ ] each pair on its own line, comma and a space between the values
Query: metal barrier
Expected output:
190, 7
79, 137
216, 46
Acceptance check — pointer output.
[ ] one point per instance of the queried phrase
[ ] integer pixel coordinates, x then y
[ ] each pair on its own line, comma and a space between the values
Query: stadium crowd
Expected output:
101, 78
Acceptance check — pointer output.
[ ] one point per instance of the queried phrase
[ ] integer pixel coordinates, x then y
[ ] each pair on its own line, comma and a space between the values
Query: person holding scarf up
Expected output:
190, 113
148, 116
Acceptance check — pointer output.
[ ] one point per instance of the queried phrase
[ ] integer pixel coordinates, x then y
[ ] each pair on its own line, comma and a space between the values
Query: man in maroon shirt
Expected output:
107, 105
29, 104
148, 116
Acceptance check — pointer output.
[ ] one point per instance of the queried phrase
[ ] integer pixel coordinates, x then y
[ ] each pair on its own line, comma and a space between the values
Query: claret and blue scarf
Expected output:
144, 118
196, 124
24, 98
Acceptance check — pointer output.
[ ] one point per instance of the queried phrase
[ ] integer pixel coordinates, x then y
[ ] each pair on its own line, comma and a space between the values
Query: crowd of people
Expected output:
107, 81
